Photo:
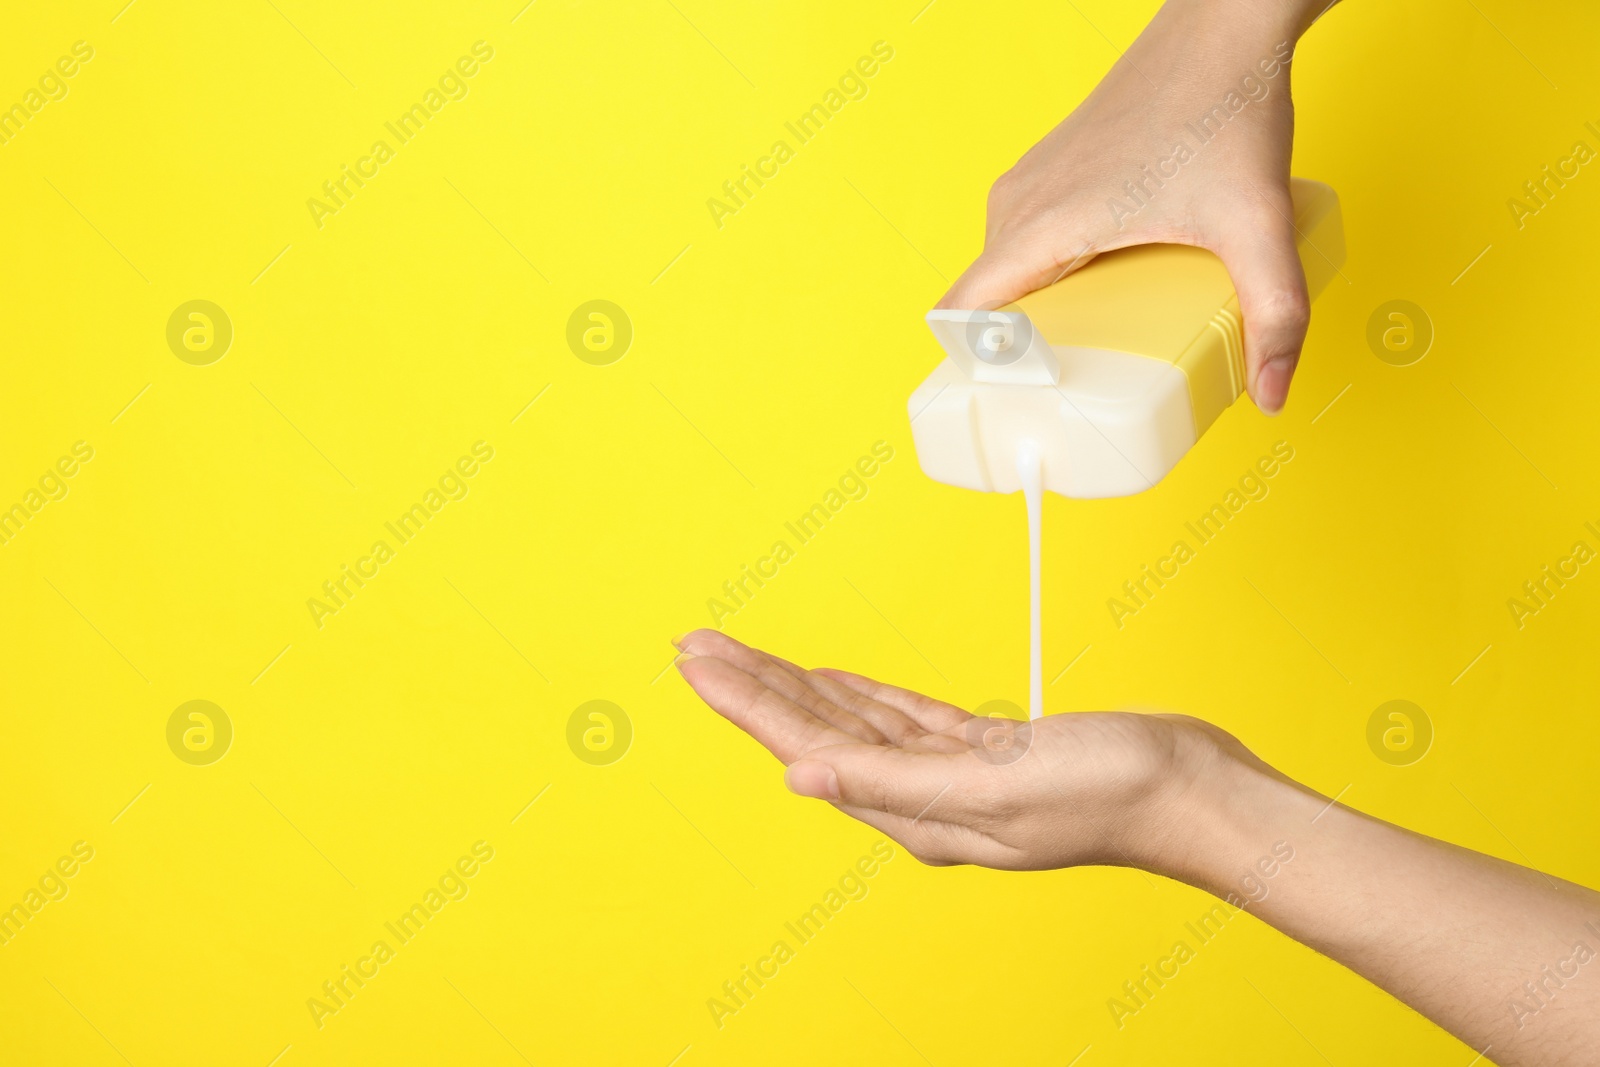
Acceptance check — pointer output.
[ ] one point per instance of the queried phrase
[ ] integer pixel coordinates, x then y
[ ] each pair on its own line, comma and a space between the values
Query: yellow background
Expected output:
767, 357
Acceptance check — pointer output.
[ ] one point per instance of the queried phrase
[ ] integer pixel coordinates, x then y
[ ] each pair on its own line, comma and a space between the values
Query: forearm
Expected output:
1499, 955
1284, 18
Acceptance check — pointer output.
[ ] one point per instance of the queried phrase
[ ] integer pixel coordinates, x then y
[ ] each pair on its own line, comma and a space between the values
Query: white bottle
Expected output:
1113, 372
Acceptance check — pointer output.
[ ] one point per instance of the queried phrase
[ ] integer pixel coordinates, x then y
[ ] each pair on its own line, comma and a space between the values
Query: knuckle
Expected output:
1267, 214
1003, 187
1263, 206
1280, 315
1016, 210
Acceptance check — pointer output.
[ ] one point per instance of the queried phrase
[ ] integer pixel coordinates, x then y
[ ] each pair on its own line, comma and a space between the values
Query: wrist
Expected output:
1251, 25
1226, 820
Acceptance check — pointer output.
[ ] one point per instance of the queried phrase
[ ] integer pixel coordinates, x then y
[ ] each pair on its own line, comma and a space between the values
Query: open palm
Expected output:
950, 786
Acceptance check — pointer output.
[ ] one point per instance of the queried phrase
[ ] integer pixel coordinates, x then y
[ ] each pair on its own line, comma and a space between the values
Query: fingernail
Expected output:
677, 642
681, 658
810, 778
1272, 384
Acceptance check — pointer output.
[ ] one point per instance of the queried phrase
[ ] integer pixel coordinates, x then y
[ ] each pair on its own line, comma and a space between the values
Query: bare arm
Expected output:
1499, 955
1186, 140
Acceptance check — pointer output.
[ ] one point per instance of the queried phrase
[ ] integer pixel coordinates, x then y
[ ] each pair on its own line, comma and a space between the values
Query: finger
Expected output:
934, 716
784, 728
1007, 271
883, 779
895, 725
767, 670
1258, 248
891, 722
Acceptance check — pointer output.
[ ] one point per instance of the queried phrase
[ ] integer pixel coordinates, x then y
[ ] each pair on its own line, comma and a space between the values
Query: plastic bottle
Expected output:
1113, 373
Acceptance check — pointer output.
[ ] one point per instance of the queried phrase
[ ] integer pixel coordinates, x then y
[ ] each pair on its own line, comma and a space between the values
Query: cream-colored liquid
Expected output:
1031, 474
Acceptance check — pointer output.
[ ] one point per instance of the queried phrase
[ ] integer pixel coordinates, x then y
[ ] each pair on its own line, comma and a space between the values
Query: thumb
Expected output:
882, 779
1259, 252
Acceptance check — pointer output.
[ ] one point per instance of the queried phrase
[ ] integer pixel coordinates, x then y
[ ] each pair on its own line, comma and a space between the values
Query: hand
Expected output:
1066, 200
956, 788
1451, 932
